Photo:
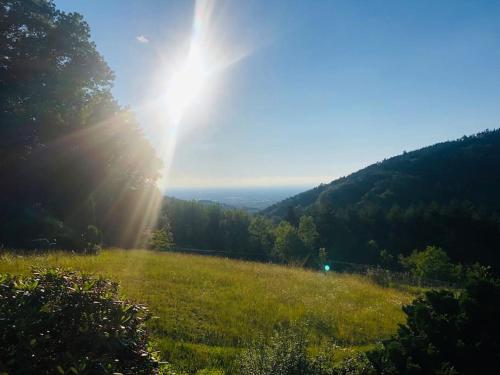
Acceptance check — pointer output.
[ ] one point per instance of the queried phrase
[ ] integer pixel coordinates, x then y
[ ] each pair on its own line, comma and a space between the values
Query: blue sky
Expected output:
327, 87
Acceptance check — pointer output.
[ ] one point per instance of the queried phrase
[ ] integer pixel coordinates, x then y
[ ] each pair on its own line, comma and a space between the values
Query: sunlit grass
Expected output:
210, 307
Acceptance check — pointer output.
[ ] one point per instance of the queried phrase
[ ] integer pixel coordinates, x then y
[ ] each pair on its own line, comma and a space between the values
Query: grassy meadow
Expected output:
208, 308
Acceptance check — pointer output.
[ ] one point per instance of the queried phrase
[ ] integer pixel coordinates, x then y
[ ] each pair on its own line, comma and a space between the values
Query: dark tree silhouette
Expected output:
70, 157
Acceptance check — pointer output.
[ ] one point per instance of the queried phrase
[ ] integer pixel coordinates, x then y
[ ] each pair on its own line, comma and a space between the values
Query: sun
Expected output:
207, 55
190, 80
187, 82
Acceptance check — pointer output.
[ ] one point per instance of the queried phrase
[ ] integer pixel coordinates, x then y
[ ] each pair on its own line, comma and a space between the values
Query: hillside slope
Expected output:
209, 308
446, 194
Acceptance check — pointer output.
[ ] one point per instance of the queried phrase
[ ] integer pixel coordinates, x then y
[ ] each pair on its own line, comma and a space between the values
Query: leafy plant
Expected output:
447, 333
284, 354
64, 322
357, 364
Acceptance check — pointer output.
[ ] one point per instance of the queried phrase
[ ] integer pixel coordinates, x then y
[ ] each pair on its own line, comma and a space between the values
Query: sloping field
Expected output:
208, 307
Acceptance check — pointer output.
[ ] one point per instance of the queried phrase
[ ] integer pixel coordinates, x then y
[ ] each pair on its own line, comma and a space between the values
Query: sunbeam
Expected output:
190, 78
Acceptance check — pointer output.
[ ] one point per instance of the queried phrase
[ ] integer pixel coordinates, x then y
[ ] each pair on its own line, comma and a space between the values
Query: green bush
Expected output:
62, 322
357, 364
447, 333
161, 239
284, 354
431, 263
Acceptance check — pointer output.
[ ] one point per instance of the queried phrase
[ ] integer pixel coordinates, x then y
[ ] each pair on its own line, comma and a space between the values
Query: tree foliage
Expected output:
447, 333
74, 157
161, 239
261, 236
288, 245
237, 233
307, 232
208, 226
431, 263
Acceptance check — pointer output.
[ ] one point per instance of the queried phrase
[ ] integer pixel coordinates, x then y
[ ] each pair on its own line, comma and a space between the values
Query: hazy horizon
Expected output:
252, 198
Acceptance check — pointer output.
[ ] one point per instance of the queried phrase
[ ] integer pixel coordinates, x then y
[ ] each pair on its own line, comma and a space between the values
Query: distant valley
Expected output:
251, 199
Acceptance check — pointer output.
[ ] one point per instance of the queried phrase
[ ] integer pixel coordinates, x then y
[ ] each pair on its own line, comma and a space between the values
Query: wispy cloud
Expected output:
142, 39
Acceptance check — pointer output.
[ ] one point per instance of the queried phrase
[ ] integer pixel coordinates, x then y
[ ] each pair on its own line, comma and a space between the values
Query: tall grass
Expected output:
209, 308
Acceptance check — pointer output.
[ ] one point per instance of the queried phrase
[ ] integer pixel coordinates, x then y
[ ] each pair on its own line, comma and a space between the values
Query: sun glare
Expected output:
187, 83
190, 76
207, 56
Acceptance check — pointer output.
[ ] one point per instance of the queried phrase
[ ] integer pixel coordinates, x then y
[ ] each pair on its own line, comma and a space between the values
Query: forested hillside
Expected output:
445, 195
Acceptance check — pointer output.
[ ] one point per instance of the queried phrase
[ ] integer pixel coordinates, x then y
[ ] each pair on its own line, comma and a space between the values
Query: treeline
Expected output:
359, 233
445, 195
190, 224
75, 168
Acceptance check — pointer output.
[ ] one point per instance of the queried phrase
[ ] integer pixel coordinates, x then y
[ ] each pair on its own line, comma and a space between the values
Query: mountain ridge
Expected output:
456, 181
